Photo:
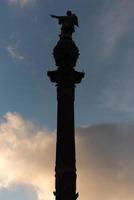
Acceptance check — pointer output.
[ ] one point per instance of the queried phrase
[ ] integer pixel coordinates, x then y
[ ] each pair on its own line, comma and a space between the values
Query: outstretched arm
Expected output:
54, 16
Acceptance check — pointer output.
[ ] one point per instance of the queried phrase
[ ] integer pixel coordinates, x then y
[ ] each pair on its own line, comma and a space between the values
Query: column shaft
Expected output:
65, 147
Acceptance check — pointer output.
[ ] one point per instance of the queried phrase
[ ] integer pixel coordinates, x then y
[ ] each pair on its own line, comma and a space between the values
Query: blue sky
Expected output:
105, 40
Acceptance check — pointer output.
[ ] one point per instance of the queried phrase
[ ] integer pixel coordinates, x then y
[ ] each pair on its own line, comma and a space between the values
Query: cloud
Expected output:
105, 159
115, 21
118, 94
14, 52
114, 25
26, 156
118, 99
21, 3
105, 162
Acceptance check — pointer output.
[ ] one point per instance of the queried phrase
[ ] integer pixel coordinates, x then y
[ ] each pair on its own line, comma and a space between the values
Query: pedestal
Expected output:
66, 77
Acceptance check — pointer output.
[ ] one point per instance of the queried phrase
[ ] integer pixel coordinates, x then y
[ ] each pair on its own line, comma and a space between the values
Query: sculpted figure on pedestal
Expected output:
67, 23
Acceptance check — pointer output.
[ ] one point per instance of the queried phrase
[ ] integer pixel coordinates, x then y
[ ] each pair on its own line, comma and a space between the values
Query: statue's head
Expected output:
69, 13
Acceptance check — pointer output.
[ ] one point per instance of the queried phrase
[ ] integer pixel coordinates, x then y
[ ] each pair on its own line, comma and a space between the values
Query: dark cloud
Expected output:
106, 161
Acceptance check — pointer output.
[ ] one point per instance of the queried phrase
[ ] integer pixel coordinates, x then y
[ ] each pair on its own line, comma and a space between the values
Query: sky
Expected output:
104, 106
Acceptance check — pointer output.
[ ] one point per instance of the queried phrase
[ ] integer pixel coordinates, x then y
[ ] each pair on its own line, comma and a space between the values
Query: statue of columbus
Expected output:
68, 22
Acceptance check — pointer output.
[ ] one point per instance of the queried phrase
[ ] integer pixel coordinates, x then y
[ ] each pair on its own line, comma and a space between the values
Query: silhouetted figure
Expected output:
68, 22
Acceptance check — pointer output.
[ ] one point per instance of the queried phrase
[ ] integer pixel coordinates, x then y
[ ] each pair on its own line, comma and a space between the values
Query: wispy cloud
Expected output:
13, 50
118, 94
114, 22
104, 156
118, 99
115, 27
21, 3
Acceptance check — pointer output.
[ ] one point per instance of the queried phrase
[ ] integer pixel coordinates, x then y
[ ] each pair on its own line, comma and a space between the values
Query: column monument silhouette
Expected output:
65, 76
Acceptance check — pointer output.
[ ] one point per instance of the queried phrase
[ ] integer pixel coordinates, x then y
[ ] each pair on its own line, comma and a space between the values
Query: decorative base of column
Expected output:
65, 76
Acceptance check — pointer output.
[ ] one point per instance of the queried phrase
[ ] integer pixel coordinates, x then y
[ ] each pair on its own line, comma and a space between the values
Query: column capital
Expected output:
65, 77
